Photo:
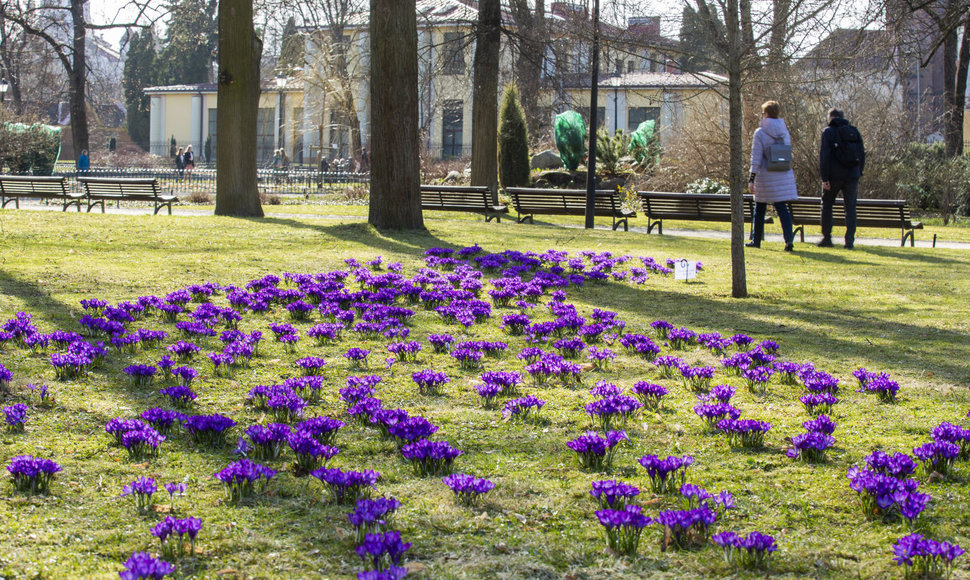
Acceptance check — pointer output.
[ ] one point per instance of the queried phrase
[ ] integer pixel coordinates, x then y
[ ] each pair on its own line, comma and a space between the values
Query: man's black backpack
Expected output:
847, 146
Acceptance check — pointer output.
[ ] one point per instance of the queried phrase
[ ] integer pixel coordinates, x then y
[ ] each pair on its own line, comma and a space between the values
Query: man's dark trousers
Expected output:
849, 190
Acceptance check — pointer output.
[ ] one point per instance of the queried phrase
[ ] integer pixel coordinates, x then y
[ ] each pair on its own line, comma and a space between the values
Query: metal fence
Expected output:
292, 181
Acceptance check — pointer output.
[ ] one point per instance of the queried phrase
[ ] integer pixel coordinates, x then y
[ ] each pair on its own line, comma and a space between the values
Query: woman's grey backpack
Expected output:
778, 155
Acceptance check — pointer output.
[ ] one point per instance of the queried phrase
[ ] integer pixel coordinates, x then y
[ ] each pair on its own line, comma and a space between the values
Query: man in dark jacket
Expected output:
840, 171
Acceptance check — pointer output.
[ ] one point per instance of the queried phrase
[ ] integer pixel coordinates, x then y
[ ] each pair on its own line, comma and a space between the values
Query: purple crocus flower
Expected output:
468, 489
32, 474
241, 479
141, 566
430, 457
612, 494
623, 528
596, 453
666, 475
347, 487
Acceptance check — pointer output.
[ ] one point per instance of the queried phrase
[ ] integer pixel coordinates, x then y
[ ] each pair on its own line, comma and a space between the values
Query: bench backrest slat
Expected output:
564, 201
690, 206
455, 196
131, 187
28, 185
869, 212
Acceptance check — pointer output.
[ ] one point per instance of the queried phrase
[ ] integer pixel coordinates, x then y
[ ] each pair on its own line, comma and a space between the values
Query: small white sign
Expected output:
685, 270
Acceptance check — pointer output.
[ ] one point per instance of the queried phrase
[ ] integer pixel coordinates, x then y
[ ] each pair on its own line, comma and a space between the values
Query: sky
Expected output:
118, 11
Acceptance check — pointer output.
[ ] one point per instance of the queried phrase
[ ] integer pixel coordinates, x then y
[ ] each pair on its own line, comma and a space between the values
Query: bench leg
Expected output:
522, 219
617, 223
800, 230
912, 239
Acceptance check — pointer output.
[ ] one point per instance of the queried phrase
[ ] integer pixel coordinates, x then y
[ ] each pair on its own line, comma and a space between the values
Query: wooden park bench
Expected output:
529, 202
870, 213
14, 187
701, 207
98, 190
471, 199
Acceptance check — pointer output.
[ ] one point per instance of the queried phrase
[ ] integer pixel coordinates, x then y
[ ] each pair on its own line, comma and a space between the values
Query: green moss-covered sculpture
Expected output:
643, 144
570, 139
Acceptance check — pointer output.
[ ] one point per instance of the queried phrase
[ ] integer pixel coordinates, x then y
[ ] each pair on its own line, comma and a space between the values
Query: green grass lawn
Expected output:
905, 311
957, 230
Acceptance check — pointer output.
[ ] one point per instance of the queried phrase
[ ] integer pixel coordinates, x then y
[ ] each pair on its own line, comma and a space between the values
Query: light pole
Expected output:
593, 94
4, 86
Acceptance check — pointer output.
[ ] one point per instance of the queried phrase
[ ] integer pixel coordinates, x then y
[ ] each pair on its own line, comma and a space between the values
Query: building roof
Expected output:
292, 85
662, 80
429, 12
199, 88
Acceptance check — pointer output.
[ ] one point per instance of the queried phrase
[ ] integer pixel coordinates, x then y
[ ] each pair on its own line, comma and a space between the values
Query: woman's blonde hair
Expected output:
771, 108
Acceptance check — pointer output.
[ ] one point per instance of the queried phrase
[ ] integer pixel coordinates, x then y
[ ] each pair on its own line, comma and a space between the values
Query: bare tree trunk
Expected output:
533, 39
952, 133
739, 286
960, 91
77, 80
778, 39
239, 54
485, 97
395, 195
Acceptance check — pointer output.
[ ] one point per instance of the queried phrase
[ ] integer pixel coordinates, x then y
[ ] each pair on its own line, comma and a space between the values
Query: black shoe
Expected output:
849, 246
789, 247
825, 243
753, 245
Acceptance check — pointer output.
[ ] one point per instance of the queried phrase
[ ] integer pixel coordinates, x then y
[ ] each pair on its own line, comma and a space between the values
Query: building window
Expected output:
265, 134
451, 129
213, 117
453, 54
297, 124
339, 135
637, 115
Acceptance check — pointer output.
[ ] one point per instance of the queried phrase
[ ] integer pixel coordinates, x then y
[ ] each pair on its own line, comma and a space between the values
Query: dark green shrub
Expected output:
29, 148
513, 141
571, 139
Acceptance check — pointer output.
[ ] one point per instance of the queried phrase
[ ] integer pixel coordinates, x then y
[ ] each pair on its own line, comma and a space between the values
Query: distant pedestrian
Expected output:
179, 162
841, 160
772, 177
83, 162
364, 160
188, 161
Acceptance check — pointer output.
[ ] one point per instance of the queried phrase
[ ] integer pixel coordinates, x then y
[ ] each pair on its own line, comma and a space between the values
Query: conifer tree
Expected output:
139, 73
513, 142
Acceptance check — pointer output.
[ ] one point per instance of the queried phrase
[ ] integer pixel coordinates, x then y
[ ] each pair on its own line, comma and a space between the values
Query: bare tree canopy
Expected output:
63, 27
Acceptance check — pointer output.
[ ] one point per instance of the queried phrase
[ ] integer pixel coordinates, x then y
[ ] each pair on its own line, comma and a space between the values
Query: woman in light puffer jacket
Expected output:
775, 187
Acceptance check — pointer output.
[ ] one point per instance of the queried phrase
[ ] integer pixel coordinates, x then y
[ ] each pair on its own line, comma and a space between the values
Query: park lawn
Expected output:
904, 311
957, 230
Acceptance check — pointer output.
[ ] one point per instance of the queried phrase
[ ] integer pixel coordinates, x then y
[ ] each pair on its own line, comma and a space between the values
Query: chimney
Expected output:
648, 26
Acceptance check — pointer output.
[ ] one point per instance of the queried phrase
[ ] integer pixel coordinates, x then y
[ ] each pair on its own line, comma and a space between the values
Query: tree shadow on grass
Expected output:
840, 258
917, 256
818, 329
412, 242
37, 301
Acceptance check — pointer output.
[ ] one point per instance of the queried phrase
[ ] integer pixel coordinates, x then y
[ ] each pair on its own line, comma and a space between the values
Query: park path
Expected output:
182, 211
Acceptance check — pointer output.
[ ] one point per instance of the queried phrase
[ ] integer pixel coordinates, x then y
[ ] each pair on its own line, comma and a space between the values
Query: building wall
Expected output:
188, 118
